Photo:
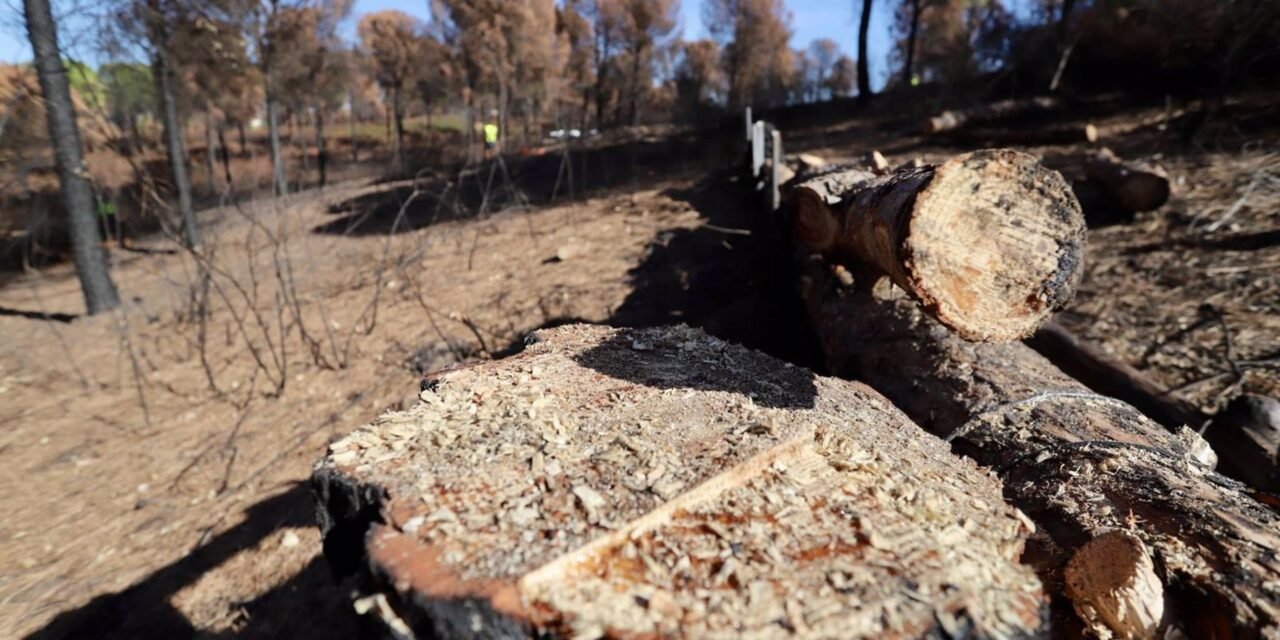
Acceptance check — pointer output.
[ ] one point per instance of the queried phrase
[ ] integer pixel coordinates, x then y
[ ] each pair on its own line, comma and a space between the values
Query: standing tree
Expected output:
699, 80
844, 74
753, 35
575, 28
864, 75
823, 52
388, 38
158, 19
912, 9
91, 261
645, 25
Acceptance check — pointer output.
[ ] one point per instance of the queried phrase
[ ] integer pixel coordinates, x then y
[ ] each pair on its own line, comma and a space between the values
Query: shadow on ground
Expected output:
308, 605
574, 172
731, 276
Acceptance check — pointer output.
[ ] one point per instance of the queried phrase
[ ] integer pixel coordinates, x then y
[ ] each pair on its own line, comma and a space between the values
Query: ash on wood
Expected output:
1079, 464
1136, 186
989, 242
644, 483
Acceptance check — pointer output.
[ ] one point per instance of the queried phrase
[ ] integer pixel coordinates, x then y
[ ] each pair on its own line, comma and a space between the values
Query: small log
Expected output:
1134, 185
1079, 464
1113, 585
1022, 136
914, 163
1246, 435
956, 118
989, 242
810, 161
877, 162
662, 483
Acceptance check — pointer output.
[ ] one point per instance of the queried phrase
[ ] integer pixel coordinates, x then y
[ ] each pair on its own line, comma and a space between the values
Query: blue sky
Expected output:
811, 19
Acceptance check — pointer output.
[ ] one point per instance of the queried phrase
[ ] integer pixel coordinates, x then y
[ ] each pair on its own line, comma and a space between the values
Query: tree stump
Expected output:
659, 482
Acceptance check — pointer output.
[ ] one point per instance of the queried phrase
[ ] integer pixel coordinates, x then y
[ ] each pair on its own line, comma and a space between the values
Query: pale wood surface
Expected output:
637, 483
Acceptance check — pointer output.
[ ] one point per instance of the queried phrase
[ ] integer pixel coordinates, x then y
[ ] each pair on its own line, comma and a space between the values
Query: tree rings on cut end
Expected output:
995, 244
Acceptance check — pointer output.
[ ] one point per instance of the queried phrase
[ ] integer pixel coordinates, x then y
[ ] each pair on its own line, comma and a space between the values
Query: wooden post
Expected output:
757, 149
1079, 464
775, 177
662, 483
989, 242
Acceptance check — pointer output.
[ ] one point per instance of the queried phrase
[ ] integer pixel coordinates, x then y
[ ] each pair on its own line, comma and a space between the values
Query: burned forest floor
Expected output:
155, 461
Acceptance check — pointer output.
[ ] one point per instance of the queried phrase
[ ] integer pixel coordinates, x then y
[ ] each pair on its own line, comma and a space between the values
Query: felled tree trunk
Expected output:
662, 483
1245, 435
1134, 185
989, 242
1093, 367
1079, 464
956, 118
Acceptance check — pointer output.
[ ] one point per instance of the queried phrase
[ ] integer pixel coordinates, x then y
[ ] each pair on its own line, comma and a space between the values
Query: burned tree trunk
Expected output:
64, 136
662, 483
989, 242
956, 118
1079, 464
1134, 185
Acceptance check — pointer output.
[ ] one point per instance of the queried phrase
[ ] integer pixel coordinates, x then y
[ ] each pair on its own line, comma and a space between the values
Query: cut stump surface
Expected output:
660, 482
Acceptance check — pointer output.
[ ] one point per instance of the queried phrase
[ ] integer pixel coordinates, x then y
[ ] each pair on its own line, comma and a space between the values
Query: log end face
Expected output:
1112, 584
995, 245
813, 222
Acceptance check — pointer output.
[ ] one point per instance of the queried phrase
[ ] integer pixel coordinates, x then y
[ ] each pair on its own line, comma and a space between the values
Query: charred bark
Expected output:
64, 135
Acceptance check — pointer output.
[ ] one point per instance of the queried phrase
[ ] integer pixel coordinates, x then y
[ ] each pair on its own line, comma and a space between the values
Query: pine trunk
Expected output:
64, 134
396, 108
322, 152
279, 185
864, 74
173, 130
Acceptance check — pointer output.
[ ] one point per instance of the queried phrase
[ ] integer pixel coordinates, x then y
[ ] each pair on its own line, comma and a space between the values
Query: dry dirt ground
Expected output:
154, 466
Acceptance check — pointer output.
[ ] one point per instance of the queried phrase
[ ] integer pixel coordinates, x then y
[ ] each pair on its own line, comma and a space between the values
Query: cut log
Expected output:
956, 118
1113, 585
1022, 136
989, 242
659, 483
1134, 185
1079, 464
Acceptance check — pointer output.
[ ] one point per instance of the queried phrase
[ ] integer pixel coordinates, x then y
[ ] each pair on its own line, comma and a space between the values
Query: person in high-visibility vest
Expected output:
490, 138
